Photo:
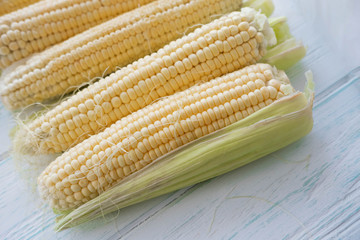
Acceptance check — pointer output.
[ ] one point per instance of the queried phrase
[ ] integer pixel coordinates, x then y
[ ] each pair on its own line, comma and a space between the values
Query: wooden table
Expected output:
308, 190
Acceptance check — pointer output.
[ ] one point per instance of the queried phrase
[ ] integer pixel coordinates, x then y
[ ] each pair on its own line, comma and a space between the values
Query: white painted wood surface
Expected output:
309, 190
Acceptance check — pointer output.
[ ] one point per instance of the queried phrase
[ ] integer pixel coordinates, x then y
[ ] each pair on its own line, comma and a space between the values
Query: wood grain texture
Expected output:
308, 190
6, 124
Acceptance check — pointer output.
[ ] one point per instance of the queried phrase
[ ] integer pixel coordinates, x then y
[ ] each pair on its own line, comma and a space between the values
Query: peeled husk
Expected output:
265, 131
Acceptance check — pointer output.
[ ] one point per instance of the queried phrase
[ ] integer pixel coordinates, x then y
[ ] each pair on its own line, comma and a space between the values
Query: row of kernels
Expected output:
223, 100
82, 23
35, 45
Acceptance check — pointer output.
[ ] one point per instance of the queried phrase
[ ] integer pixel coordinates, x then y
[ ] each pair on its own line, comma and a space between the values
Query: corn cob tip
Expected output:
25, 141
261, 22
28, 165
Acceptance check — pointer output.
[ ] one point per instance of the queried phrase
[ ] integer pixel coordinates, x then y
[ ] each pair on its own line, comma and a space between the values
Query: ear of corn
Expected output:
38, 26
140, 138
104, 48
227, 44
137, 140
202, 152
7, 6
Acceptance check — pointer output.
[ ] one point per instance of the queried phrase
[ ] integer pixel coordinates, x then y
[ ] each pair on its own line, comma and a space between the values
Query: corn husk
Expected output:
265, 6
288, 51
261, 133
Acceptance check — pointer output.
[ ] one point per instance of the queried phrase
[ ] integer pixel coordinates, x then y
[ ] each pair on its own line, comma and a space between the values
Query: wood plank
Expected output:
6, 124
297, 195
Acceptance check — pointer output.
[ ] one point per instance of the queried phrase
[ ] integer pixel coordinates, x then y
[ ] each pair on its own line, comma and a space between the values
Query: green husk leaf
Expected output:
265, 6
288, 51
261, 133
281, 29
286, 54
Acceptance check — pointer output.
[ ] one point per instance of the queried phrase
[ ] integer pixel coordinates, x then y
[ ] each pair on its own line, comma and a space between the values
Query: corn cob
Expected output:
113, 44
227, 44
36, 27
263, 132
7, 6
101, 161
